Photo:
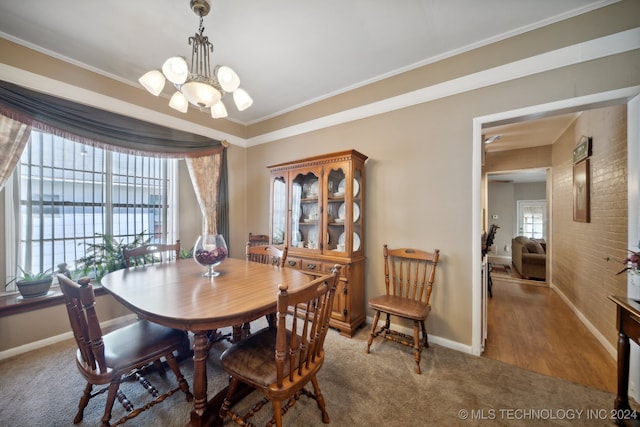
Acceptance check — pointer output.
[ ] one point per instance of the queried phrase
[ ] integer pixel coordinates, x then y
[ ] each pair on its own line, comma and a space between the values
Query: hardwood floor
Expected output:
530, 326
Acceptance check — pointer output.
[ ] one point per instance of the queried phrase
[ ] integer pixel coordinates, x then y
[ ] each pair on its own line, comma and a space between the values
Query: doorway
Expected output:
527, 298
616, 97
517, 203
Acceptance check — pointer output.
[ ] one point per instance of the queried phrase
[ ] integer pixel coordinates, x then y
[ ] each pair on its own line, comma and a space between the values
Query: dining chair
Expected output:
279, 362
258, 239
264, 254
486, 247
408, 277
151, 253
122, 354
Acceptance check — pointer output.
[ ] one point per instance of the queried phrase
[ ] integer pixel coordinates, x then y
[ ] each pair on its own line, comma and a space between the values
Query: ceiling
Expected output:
288, 53
525, 134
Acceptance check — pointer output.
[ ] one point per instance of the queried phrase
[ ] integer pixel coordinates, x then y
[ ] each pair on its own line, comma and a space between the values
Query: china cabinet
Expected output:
318, 211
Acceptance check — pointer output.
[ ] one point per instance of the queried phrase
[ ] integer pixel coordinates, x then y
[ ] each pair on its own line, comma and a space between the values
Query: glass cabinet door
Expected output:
279, 214
358, 213
305, 211
336, 213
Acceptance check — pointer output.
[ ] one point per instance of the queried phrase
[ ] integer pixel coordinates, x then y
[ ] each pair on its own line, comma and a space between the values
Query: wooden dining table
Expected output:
176, 294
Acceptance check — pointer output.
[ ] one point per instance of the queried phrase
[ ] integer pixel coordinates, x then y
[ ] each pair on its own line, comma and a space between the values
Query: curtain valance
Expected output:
96, 127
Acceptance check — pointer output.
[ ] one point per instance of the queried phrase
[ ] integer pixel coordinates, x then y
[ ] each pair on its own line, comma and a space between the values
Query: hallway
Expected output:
530, 326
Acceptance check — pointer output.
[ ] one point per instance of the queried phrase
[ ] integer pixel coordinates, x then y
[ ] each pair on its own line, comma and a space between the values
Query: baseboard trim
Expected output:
5, 354
601, 338
454, 345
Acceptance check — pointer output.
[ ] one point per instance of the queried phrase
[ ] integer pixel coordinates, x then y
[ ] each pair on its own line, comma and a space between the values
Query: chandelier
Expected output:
196, 85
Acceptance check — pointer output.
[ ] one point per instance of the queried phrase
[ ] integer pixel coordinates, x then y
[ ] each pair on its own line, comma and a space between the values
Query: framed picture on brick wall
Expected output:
582, 150
581, 191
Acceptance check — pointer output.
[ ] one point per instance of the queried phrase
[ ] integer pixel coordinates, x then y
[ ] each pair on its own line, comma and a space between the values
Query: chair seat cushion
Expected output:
400, 306
252, 359
140, 341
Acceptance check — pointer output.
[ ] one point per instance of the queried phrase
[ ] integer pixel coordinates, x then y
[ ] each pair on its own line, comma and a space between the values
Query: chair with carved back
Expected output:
258, 239
151, 253
281, 361
125, 353
408, 275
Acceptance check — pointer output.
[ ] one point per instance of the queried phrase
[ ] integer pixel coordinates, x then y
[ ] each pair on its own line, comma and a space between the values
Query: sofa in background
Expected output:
529, 257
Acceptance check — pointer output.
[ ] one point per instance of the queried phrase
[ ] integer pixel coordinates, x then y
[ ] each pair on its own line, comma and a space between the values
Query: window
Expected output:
532, 218
69, 192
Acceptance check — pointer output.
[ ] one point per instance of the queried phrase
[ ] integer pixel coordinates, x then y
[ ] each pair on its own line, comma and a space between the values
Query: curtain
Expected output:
13, 138
223, 201
205, 174
99, 128
21, 108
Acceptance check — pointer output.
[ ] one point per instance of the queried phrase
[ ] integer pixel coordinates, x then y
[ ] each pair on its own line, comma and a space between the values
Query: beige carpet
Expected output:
42, 388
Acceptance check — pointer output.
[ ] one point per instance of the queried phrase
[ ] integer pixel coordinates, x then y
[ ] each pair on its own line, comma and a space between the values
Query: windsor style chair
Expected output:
408, 276
279, 362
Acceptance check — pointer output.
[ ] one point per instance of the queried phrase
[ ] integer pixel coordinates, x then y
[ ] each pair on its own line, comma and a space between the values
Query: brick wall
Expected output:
579, 268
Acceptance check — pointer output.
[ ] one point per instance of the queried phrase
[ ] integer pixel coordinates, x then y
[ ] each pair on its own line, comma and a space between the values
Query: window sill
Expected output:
11, 304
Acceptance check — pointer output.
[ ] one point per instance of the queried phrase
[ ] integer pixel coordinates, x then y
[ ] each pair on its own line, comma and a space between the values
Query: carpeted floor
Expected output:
42, 388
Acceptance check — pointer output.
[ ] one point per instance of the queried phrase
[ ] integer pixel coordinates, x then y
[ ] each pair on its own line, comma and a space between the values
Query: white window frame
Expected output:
169, 230
522, 206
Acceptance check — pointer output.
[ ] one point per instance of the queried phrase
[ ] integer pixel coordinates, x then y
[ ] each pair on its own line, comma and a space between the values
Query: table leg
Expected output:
200, 354
622, 399
205, 412
625, 416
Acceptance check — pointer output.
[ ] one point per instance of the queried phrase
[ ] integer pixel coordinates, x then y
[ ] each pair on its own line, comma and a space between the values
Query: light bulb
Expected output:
179, 102
228, 79
242, 99
176, 70
153, 81
218, 110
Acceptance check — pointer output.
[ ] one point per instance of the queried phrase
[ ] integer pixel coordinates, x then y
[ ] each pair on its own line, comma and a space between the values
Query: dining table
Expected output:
178, 295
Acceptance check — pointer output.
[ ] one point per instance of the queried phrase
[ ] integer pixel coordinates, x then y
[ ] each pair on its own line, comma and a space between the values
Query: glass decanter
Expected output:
209, 251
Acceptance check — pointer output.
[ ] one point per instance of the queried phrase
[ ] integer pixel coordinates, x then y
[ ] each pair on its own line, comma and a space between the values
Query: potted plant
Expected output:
106, 255
33, 285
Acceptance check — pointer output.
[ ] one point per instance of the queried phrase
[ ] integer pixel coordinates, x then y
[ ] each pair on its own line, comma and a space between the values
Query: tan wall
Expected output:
419, 175
22, 329
419, 181
580, 270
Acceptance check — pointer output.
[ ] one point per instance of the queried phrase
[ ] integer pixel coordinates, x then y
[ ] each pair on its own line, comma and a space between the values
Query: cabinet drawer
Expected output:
308, 265
327, 266
293, 262
312, 266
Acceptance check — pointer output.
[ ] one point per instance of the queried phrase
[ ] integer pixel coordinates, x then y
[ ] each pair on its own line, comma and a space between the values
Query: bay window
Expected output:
65, 195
